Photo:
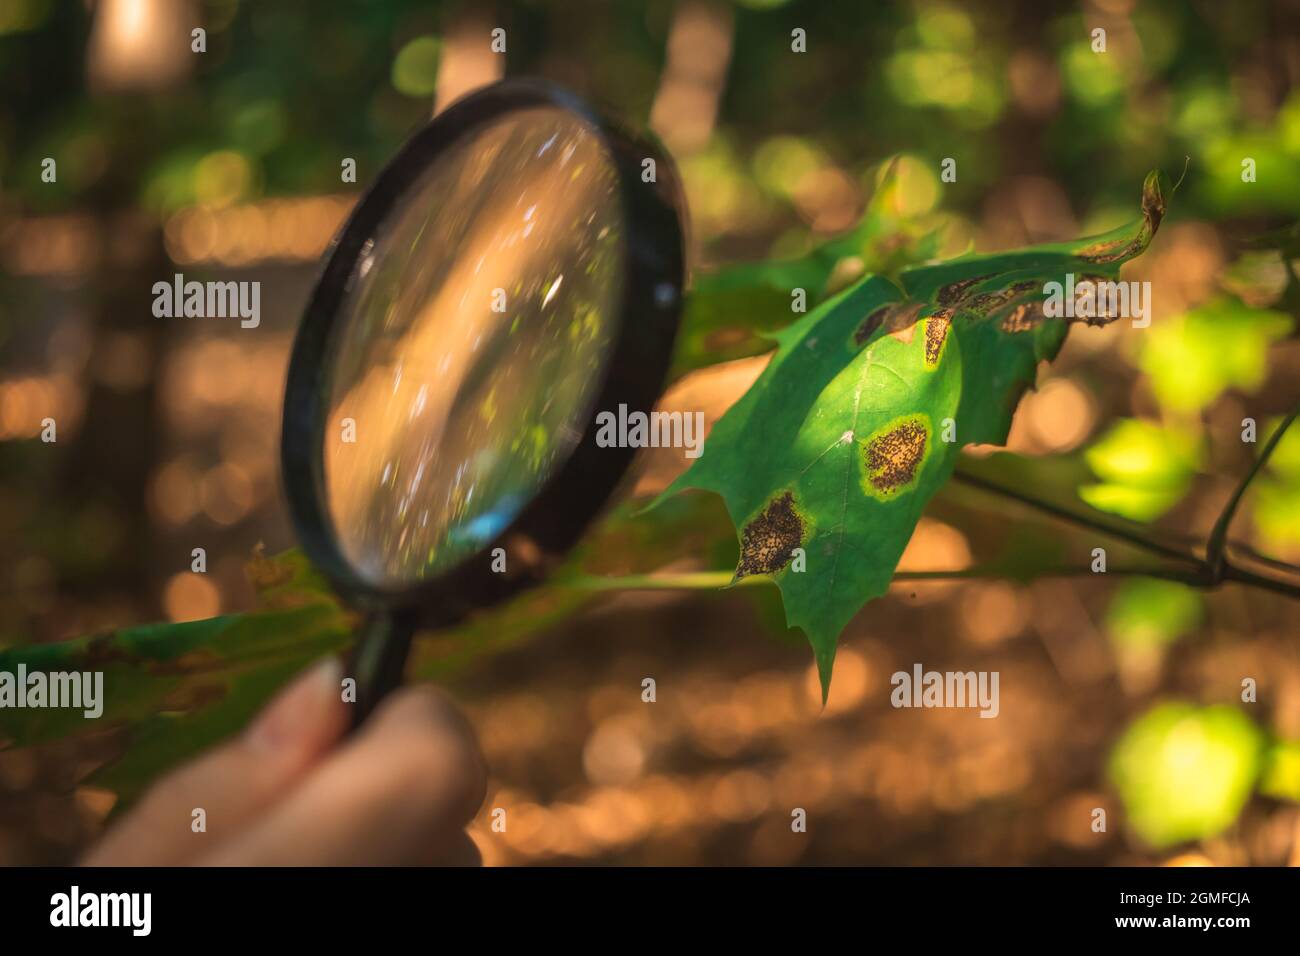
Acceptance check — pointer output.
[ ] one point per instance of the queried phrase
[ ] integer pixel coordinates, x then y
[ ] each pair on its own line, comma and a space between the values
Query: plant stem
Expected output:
1215, 549
1203, 573
718, 580
1233, 573
1196, 572
1081, 520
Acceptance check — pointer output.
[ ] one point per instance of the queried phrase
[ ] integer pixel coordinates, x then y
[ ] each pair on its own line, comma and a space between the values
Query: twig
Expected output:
717, 580
1082, 520
1215, 550
1204, 575
1206, 572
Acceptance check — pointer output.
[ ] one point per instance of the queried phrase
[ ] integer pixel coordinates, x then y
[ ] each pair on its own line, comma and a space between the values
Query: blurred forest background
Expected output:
1117, 692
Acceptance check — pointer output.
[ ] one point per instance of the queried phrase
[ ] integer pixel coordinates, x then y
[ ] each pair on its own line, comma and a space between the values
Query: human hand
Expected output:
291, 791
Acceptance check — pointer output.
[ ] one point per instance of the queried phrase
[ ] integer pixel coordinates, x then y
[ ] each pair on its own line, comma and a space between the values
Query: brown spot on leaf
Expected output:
897, 319
722, 339
1153, 201
103, 649
1111, 251
1024, 318
767, 542
1153, 213
954, 292
988, 302
901, 321
892, 458
1095, 300
192, 696
936, 333
197, 661
869, 325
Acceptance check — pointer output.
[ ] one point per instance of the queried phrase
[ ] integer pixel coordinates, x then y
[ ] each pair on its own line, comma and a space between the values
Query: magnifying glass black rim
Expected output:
641, 349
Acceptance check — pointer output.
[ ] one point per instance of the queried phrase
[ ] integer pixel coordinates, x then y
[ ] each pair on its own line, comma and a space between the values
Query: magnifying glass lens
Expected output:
471, 344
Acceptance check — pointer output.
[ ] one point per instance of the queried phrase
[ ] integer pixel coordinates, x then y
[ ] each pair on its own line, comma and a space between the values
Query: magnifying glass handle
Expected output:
378, 660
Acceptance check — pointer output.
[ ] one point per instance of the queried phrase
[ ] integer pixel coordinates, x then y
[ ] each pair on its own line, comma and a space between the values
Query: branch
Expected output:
1082, 520
722, 580
1202, 573
1195, 572
1232, 572
1215, 549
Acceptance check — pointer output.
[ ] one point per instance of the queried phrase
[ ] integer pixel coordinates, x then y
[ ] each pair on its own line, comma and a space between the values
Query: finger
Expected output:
235, 782
458, 850
404, 786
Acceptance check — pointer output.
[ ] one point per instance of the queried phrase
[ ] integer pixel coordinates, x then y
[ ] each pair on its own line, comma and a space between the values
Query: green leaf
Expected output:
164, 740
1276, 514
729, 311
170, 667
827, 462
1185, 772
415, 69
1145, 469
1150, 612
1281, 776
1223, 344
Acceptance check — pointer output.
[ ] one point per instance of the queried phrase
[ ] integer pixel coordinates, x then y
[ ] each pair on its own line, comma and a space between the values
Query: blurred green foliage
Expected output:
1276, 508
1145, 469
1151, 613
415, 69
1192, 359
1281, 776
292, 86
1184, 772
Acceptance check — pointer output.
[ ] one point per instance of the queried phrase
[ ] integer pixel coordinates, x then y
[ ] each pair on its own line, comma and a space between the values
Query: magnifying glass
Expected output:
516, 269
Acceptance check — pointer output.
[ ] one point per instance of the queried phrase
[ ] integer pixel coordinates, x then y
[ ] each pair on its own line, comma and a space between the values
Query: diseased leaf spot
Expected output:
988, 302
954, 292
1113, 250
724, 339
768, 541
936, 333
1024, 318
897, 319
1093, 301
1153, 201
869, 325
901, 321
1153, 213
894, 456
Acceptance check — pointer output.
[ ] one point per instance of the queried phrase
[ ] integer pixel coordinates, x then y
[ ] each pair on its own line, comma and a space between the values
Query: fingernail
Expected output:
298, 707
